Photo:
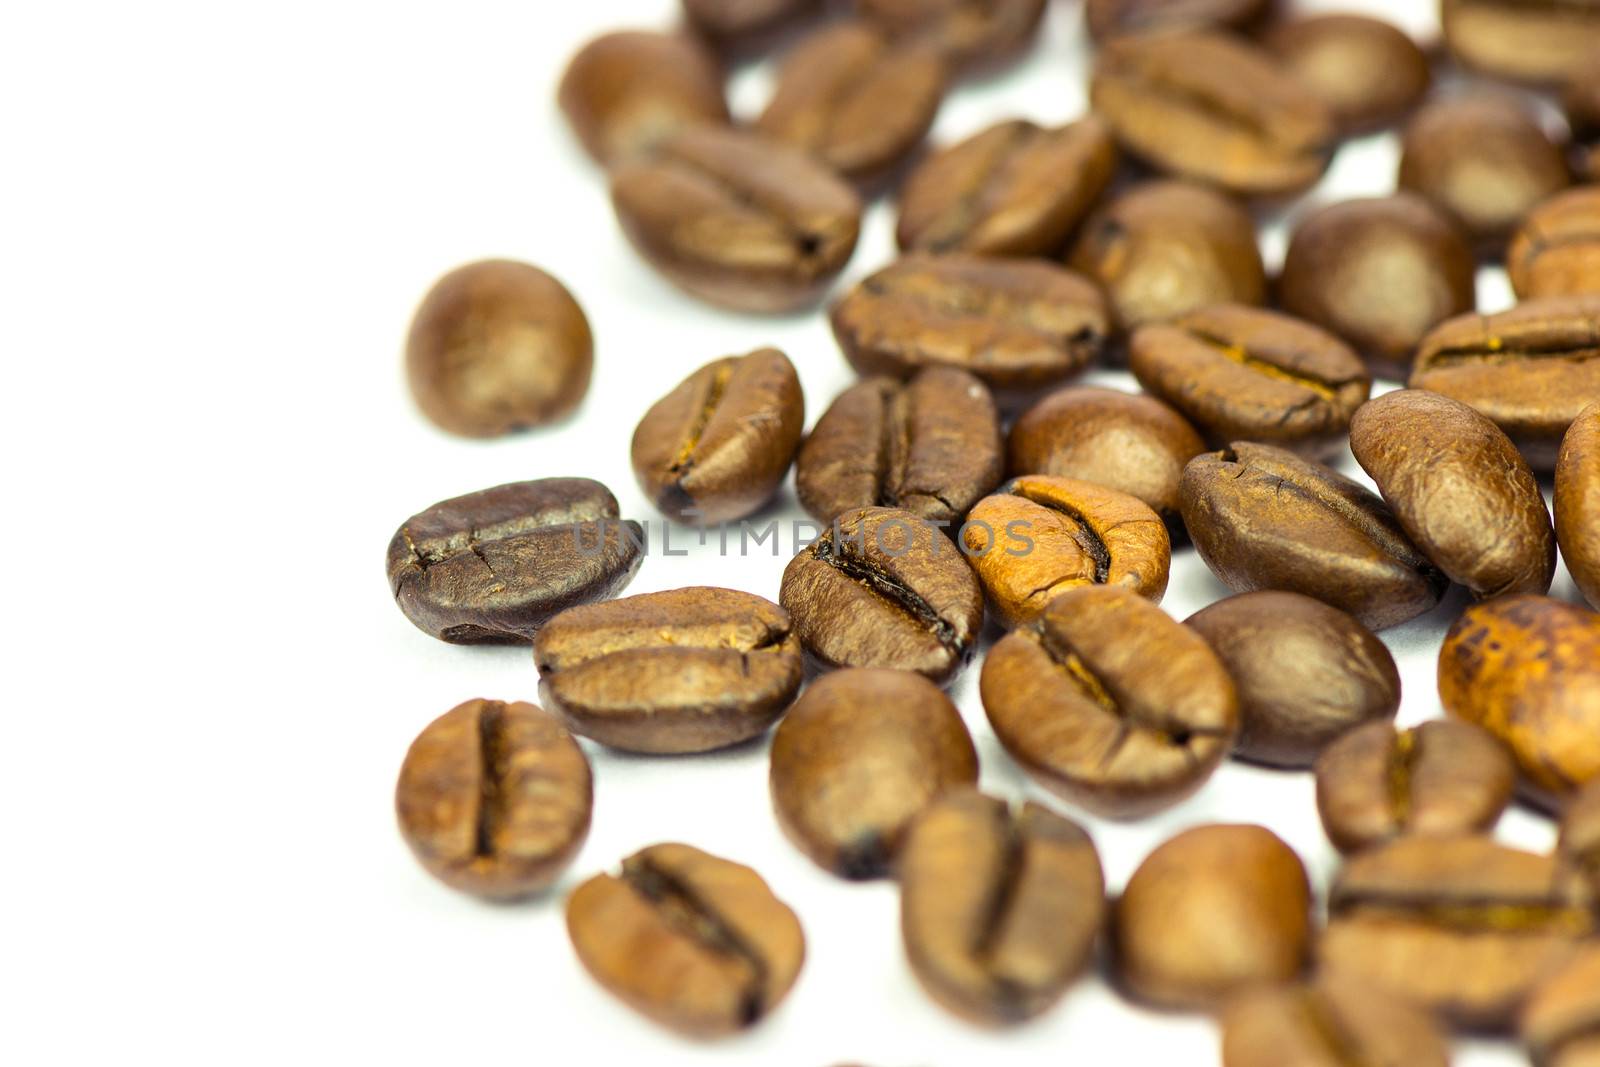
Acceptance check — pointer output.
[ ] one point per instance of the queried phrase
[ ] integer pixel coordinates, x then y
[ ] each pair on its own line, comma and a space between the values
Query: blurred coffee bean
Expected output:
975, 32
1582, 100
1577, 502
1365, 70
1114, 18
1556, 250
1580, 834
733, 20
1523, 40
626, 92
1561, 1022
1329, 1022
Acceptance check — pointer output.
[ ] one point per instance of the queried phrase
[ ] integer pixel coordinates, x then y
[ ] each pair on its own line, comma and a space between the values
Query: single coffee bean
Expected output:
1365, 70
626, 92
1380, 274
1582, 101
1556, 250
1244, 374
1523, 40
698, 943
1015, 324
884, 588
1461, 926
1577, 501
1134, 444
1460, 490
854, 100
930, 446
1214, 108
1561, 1022
738, 220
1532, 370
1215, 910
688, 670
1330, 1022
1263, 518
1015, 189
1580, 834
966, 31
734, 20
1110, 703
494, 566
1114, 18
1041, 536
498, 346
857, 758
1484, 160
1164, 248
999, 909
1527, 669
1443, 779
495, 799
1306, 673
717, 447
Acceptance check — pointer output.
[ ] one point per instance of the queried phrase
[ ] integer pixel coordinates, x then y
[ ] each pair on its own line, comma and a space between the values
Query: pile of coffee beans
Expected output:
969, 500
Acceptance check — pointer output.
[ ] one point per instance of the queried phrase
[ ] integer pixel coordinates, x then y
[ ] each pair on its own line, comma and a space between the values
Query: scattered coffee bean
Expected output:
1113, 18
1330, 1022
1556, 250
1577, 501
1580, 834
626, 92
1561, 1023
1522, 40
1582, 101
734, 20
966, 31
1365, 70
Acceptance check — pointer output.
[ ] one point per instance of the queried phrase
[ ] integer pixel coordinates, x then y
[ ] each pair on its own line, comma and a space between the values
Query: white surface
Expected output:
218, 219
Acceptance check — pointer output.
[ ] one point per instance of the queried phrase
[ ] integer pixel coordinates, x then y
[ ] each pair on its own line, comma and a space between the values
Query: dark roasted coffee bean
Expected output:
1527, 40
1114, 18
1328, 1023
733, 20
495, 565
1366, 71
884, 588
1134, 444
1561, 1022
855, 101
1582, 100
1165, 248
930, 446
1015, 189
967, 31
717, 447
1041, 536
1443, 778
1556, 250
498, 346
495, 799
1577, 501
857, 758
697, 943
1306, 673
1580, 834
1264, 518
626, 92
1461, 926
1459, 489
1214, 108
689, 670
1016, 324
1244, 374
999, 909
1532, 370
1215, 910
1527, 669
738, 220
1111, 703
1379, 273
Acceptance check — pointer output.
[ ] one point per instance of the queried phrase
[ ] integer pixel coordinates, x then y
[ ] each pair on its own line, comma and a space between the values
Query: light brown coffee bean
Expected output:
1526, 41
625, 92
1365, 70
966, 31
1580, 834
1556, 250
1577, 502
737, 20
1561, 1022
1330, 1022
1114, 18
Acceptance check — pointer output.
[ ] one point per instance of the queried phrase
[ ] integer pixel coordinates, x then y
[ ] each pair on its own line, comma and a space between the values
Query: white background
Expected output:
217, 220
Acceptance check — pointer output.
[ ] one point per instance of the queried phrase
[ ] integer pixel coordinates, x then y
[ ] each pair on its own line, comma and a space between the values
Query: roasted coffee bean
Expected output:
626, 92
930, 446
857, 758
717, 447
1527, 669
1561, 1022
1527, 40
999, 909
1580, 834
698, 943
1263, 518
1379, 273
1215, 910
1214, 108
1244, 374
1306, 673
1582, 101
1134, 444
495, 799
1111, 703
884, 588
1532, 370
1328, 1023
1443, 778
498, 346
1015, 189
689, 670
1484, 160
1577, 501
966, 31
1165, 248
855, 101
1461, 926
1114, 18
1041, 536
494, 566
1365, 70
1459, 489
734, 20
1556, 250
1016, 324
738, 220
